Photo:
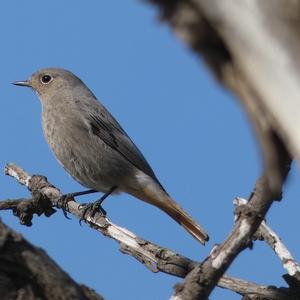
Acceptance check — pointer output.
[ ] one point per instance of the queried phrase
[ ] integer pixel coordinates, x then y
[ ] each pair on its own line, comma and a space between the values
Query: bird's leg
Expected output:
72, 195
92, 208
63, 201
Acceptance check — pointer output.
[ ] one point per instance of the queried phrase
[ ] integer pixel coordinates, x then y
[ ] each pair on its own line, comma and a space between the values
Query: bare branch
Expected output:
231, 37
260, 292
274, 241
200, 282
42, 189
154, 257
252, 48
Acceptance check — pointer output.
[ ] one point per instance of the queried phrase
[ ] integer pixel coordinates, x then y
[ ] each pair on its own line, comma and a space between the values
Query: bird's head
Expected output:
50, 81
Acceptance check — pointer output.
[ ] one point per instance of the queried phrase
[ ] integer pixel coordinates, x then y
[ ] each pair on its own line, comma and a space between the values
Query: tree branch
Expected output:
154, 257
231, 38
252, 48
200, 282
266, 234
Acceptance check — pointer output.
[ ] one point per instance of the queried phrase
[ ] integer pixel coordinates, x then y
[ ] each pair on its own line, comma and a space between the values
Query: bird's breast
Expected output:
83, 155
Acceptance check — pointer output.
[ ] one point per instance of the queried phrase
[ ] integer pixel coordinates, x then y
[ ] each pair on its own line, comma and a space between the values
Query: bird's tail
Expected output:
184, 219
163, 201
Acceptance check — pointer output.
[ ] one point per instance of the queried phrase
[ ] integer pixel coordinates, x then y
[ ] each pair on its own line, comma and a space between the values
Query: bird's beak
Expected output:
22, 83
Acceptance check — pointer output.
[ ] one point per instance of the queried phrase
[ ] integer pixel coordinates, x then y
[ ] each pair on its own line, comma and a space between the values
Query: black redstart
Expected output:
93, 147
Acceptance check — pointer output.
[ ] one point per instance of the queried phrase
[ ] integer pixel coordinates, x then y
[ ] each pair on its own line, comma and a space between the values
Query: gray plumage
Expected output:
92, 146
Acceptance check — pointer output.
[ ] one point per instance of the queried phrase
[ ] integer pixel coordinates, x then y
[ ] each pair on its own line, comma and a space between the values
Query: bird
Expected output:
93, 147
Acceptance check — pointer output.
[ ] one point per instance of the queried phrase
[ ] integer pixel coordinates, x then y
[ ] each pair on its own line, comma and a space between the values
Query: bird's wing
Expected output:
108, 130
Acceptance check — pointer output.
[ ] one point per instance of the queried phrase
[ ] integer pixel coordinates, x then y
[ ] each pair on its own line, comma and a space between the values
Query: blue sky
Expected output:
193, 133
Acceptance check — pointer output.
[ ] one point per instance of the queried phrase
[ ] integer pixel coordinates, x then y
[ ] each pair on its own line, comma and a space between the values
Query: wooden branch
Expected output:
266, 234
200, 282
262, 38
259, 292
240, 44
44, 192
154, 257
252, 50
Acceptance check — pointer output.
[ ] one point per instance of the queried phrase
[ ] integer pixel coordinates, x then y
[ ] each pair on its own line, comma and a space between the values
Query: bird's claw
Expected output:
63, 204
91, 209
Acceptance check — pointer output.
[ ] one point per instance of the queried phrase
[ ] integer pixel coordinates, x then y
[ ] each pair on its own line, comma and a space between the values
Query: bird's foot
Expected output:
91, 209
65, 199
63, 203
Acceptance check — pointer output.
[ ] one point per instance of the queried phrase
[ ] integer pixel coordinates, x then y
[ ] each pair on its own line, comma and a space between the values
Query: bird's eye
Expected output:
46, 79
